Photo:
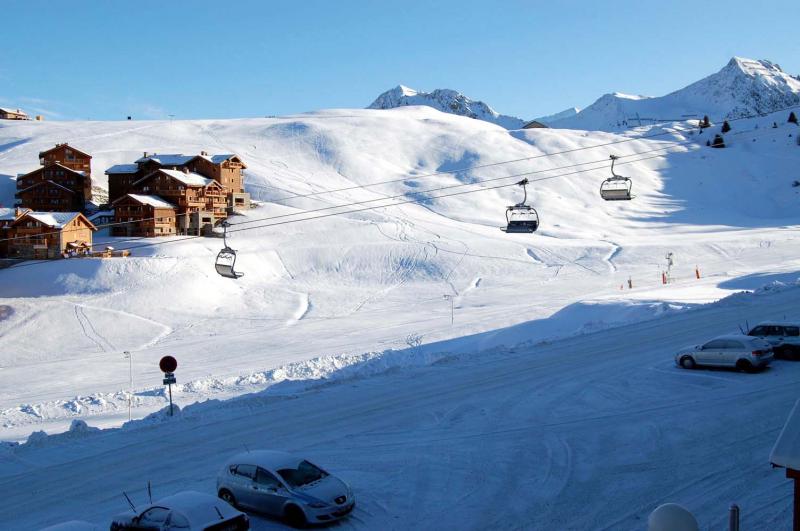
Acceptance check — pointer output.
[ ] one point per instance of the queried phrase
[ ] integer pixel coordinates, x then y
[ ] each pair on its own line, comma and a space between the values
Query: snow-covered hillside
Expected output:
445, 100
341, 328
744, 87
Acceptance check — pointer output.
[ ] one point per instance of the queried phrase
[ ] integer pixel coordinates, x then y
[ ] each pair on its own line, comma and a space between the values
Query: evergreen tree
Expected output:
726, 126
718, 142
706, 122
792, 118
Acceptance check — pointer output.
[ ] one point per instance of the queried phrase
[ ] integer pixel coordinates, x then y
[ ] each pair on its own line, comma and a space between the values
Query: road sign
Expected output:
169, 378
168, 364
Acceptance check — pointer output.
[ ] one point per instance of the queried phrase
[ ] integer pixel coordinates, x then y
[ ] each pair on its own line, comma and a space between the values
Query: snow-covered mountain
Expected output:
566, 113
445, 100
743, 87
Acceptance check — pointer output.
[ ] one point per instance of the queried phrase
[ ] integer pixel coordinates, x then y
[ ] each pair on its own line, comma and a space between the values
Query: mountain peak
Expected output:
445, 100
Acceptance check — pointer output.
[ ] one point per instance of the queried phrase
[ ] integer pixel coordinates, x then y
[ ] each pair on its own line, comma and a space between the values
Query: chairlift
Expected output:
616, 187
226, 259
522, 218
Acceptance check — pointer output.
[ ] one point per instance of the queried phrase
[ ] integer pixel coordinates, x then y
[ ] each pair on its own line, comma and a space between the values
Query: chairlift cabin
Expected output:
616, 187
226, 259
522, 218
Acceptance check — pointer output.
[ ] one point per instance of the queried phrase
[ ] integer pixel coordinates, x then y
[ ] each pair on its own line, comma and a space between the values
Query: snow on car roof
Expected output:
270, 459
198, 507
737, 337
786, 452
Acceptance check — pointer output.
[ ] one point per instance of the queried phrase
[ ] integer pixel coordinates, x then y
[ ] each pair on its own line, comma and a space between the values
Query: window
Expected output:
154, 517
792, 330
178, 521
733, 345
774, 330
758, 331
248, 471
304, 474
265, 478
715, 344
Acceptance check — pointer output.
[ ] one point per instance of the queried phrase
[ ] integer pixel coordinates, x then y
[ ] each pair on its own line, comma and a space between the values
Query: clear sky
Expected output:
225, 59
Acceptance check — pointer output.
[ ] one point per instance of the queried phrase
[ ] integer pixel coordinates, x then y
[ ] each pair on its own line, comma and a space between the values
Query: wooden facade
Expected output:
53, 188
12, 114
139, 215
227, 170
199, 201
47, 235
71, 158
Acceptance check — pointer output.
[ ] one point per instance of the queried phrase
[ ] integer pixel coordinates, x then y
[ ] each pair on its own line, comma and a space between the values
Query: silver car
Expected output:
284, 485
745, 353
784, 337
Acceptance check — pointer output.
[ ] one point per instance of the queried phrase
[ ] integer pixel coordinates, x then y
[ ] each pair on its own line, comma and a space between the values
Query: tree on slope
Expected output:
792, 118
705, 123
726, 126
718, 142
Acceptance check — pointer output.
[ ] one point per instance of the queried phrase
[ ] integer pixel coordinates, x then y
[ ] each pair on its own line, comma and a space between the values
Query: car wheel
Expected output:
687, 362
744, 365
227, 496
294, 516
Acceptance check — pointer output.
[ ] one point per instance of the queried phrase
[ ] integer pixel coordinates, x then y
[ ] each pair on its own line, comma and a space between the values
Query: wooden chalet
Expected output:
47, 235
73, 159
533, 124
200, 201
226, 169
53, 188
143, 215
12, 114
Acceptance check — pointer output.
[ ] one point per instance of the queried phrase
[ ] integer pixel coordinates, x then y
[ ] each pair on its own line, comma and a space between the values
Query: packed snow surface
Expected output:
551, 401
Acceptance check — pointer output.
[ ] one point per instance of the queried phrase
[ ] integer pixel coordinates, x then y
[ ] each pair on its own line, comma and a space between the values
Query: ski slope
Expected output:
590, 432
339, 335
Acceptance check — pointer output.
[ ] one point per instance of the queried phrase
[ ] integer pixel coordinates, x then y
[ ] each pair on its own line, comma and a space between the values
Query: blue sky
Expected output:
212, 59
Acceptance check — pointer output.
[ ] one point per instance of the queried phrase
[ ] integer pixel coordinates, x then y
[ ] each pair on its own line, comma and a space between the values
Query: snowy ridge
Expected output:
445, 100
744, 87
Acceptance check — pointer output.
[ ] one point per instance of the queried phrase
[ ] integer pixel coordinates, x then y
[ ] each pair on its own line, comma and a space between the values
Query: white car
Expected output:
284, 485
745, 353
184, 511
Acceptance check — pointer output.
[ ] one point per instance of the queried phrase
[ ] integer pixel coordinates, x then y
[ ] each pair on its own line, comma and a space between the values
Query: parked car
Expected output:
284, 485
184, 511
740, 351
784, 337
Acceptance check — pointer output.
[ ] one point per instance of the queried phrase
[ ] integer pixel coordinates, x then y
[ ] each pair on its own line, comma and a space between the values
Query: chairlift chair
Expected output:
522, 218
226, 259
616, 187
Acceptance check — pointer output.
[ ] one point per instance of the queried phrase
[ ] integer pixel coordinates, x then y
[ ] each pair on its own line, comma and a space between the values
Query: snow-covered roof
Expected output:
189, 178
101, 214
168, 159
786, 452
12, 111
269, 459
123, 168
56, 220
152, 200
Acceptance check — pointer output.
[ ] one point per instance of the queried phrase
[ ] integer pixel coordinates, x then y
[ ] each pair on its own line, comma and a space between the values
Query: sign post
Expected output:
168, 364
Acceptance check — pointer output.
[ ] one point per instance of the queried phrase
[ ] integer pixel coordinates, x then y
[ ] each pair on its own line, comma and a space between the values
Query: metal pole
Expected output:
733, 518
130, 382
170, 399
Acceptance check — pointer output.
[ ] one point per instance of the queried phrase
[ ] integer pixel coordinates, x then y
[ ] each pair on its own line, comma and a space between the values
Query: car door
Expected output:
775, 335
269, 492
152, 519
759, 331
242, 479
711, 352
730, 352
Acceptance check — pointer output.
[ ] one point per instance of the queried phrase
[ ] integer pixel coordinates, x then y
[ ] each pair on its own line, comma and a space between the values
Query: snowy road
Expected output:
590, 432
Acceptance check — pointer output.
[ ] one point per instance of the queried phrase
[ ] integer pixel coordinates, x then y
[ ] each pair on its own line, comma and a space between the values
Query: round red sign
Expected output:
168, 364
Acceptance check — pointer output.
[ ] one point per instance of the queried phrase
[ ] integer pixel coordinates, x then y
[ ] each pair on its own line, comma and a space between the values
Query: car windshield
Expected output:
304, 474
